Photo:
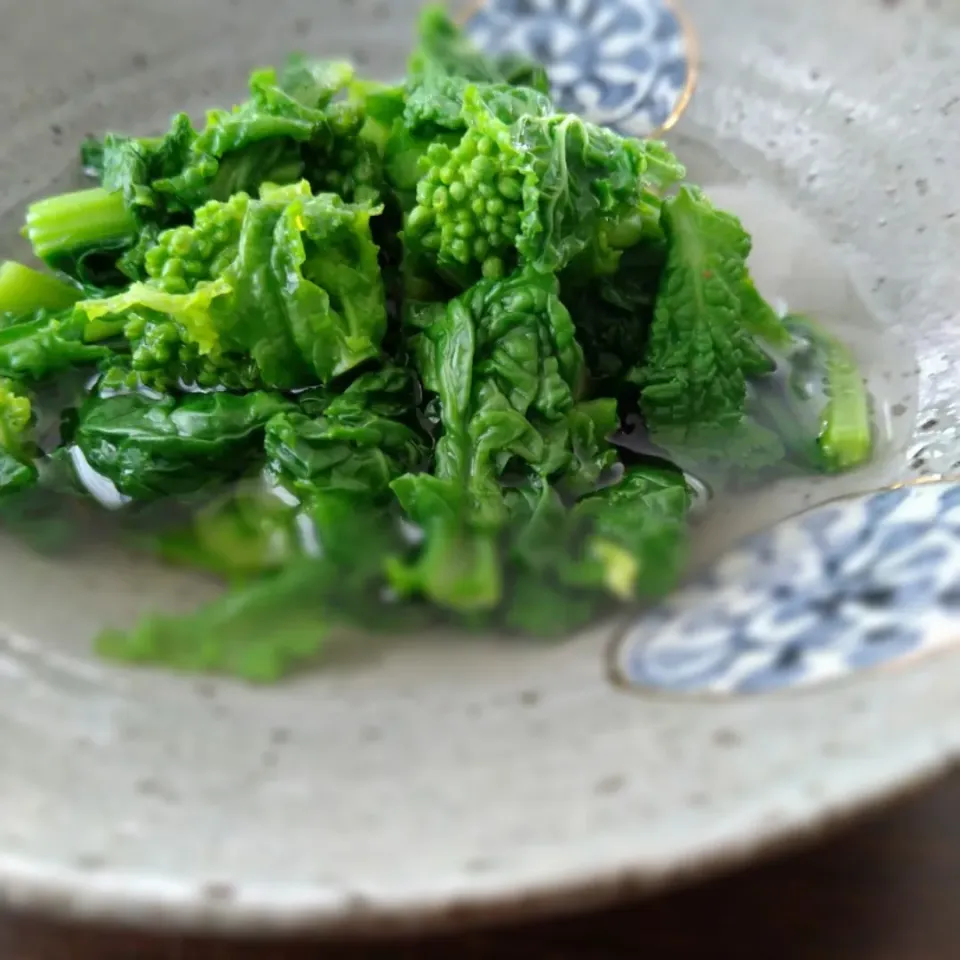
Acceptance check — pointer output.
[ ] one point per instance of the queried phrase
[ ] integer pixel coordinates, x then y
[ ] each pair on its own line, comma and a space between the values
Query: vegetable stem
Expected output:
23, 290
846, 436
70, 223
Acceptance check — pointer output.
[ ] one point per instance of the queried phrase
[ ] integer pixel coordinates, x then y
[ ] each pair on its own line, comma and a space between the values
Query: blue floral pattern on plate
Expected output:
626, 64
847, 586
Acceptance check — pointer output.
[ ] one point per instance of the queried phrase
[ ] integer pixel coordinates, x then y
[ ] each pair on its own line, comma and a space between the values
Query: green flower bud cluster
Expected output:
469, 207
185, 256
160, 360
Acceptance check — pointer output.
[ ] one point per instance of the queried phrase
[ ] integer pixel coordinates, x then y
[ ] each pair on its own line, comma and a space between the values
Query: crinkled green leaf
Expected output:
312, 82
283, 292
700, 351
50, 343
525, 181
359, 444
150, 448
504, 362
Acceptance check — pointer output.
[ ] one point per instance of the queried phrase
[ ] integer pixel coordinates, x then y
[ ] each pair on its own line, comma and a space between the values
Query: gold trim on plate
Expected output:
691, 41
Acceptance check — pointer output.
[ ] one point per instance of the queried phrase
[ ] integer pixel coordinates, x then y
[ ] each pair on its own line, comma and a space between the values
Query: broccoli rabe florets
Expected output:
526, 184
282, 292
161, 359
15, 413
174, 340
468, 206
17, 469
184, 256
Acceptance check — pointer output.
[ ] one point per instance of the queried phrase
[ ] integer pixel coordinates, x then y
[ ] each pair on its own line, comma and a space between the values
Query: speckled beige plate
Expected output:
440, 782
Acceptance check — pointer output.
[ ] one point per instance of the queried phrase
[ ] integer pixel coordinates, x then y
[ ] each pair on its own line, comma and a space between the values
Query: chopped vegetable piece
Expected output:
24, 291
371, 354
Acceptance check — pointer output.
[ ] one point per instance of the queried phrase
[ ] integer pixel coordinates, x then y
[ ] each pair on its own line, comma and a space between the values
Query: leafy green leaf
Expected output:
504, 362
150, 448
625, 542
261, 631
525, 180
700, 352
358, 444
50, 343
314, 83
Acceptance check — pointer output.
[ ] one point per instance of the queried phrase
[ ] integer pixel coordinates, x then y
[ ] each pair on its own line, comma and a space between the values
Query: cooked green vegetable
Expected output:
47, 343
700, 354
505, 364
150, 448
613, 311
526, 182
240, 536
24, 291
68, 229
284, 292
259, 141
260, 631
628, 541
17, 450
358, 444
822, 412
445, 63
367, 352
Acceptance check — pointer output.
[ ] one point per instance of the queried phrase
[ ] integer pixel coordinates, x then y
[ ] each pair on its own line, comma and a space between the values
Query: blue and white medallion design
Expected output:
847, 586
626, 64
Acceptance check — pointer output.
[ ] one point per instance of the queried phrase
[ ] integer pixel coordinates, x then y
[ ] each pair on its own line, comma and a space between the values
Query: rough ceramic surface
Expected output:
859, 583
446, 780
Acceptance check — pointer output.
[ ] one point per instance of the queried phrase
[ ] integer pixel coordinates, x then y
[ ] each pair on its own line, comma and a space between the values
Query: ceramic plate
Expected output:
810, 667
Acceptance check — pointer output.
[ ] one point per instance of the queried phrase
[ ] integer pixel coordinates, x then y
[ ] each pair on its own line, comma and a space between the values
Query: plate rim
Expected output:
128, 900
